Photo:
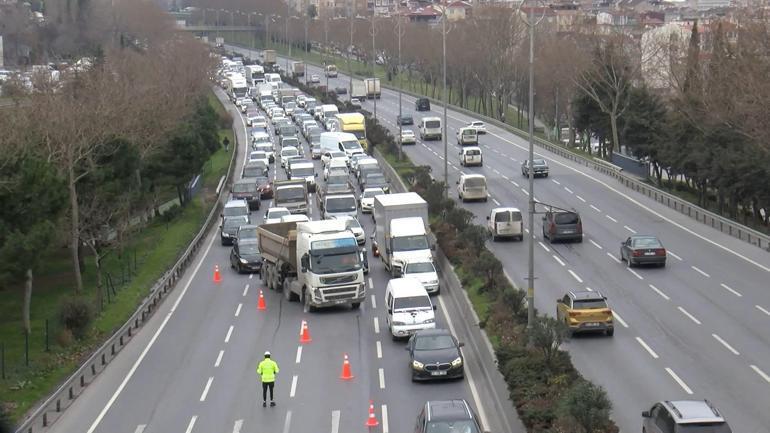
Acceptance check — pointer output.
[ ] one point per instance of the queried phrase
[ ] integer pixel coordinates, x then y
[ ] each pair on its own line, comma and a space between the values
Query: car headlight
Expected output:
244, 261
398, 323
429, 321
457, 362
417, 365
433, 282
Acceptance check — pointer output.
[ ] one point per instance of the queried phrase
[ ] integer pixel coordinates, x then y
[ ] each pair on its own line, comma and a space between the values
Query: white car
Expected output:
276, 112
480, 126
274, 214
315, 78
354, 226
408, 137
334, 154
288, 153
259, 155
424, 272
367, 199
259, 122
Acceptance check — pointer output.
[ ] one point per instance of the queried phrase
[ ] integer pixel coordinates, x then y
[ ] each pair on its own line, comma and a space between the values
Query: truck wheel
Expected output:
306, 301
355, 305
288, 294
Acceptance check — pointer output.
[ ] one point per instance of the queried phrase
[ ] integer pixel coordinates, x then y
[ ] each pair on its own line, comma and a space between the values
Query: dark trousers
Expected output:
265, 387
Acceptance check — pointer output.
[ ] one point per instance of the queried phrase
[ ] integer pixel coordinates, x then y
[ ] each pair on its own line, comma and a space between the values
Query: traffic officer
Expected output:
267, 370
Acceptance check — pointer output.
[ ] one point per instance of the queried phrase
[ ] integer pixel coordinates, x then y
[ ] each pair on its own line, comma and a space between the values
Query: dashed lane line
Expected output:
731, 290
544, 247
658, 291
636, 274
611, 218
762, 309
219, 358
595, 208
385, 426
619, 319
700, 271
298, 358
379, 349
575, 276
237, 426
246, 289
287, 422
293, 390
374, 302
612, 256
376, 325
760, 373
140, 428
568, 190
555, 181
206, 389
335, 421
679, 380
238, 310
496, 202
381, 374
191, 424
647, 347
558, 260
725, 344
595, 244
229, 333
580, 198
251, 276
690, 316
630, 229
671, 253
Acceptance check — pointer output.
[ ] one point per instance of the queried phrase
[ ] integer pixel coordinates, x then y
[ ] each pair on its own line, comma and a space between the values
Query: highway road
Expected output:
192, 368
695, 329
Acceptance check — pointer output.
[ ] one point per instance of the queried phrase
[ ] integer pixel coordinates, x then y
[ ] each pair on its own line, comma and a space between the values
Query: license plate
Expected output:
340, 301
568, 231
649, 253
592, 324
438, 373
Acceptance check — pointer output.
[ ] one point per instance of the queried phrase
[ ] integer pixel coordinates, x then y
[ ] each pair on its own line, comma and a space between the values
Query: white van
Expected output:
273, 78
430, 128
467, 136
471, 155
505, 222
409, 308
472, 187
340, 141
328, 111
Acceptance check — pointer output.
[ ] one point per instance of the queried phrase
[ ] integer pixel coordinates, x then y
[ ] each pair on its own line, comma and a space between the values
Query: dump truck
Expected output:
401, 233
372, 88
291, 194
317, 263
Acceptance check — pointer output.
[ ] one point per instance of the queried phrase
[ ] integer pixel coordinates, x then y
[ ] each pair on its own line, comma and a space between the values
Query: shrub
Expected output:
76, 315
515, 300
586, 407
225, 120
459, 217
488, 267
473, 239
546, 335
65, 338
171, 213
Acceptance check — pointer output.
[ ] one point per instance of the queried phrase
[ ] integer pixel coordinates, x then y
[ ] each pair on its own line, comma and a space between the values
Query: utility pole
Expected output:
373, 31
267, 31
217, 24
444, 121
326, 46
351, 12
288, 12
400, 33
304, 47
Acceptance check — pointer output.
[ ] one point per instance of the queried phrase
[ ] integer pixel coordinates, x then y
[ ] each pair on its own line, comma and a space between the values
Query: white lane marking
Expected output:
206, 389
589, 289
698, 270
516, 184
555, 257
471, 381
612, 256
575, 276
371, 284
636, 274
730, 289
379, 349
237, 426
658, 291
726, 344
555, 181
496, 202
690, 316
503, 155
374, 302
335, 421
760, 308
495, 170
191, 424
525, 191
229, 333
611, 218
238, 310
629, 229
140, 428
679, 380
154, 338
246, 289
544, 247
595, 208
495, 150
673, 255
298, 358
595, 244
376, 325
619, 319
381, 373
287, 422
580, 198
568, 190
219, 358
761, 373
385, 427
647, 348
512, 159
505, 177
293, 390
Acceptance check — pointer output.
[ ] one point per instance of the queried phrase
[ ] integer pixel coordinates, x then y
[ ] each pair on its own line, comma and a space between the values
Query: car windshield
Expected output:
433, 342
248, 248
258, 155
302, 171
373, 192
289, 152
253, 170
261, 180
433, 124
337, 154
261, 139
341, 204
248, 233
475, 182
720, 427
469, 132
416, 268
292, 194
375, 179
461, 426
337, 179
339, 255
235, 211
410, 243
587, 304
277, 213
410, 302
351, 145
234, 223
646, 243
352, 223
245, 187
473, 152
566, 218
268, 147
539, 162
407, 133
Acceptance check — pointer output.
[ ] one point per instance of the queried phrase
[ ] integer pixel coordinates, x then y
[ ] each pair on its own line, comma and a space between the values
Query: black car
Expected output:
229, 228
405, 119
440, 416
540, 167
643, 250
375, 180
435, 354
341, 90
247, 189
562, 225
246, 232
245, 256
422, 104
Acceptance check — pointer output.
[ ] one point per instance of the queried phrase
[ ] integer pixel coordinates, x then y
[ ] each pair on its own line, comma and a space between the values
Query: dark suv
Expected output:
422, 104
562, 225
441, 416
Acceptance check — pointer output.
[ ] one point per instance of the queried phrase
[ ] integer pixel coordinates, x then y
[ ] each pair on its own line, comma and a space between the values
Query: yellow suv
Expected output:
585, 312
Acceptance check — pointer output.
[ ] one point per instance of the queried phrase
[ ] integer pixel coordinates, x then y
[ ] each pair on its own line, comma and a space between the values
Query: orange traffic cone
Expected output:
372, 421
346, 374
217, 276
261, 304
304, 335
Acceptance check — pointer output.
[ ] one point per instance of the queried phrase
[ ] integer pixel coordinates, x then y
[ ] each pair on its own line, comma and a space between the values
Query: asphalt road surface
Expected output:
698, 328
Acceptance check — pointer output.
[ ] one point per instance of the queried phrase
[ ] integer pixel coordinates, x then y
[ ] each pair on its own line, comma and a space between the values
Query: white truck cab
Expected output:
409, 308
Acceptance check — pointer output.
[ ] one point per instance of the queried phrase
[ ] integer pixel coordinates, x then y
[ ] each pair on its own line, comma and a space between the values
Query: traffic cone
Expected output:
261, 303
304, 335
346, 374
372, 421
217, 276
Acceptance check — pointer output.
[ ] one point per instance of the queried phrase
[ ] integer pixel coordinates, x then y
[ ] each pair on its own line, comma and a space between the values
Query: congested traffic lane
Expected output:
710, 275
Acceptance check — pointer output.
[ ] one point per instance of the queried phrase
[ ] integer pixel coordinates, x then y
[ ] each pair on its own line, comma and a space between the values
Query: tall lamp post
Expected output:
373, 31
531, 21
444, 121
351, 12
400, 33
286, 32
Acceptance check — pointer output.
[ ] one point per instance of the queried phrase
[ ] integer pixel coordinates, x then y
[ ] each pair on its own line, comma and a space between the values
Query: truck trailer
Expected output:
372, 88
401, 233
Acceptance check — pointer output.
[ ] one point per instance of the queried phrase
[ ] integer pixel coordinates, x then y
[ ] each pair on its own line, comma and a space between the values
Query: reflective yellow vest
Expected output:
267, 370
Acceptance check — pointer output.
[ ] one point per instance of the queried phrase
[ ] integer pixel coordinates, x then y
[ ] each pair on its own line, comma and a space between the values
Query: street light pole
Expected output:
326, 47
288, 13
304, 47
400, 33
217, 24
351, 11
374, 62
443, 133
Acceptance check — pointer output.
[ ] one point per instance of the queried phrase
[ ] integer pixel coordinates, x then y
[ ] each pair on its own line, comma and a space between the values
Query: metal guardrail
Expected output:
715, 221
48, 412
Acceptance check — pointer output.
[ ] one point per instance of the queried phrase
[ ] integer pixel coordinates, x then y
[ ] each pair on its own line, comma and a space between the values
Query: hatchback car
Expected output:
425, 273
540, 167
585, 311
405, 119
408, 137
246, 257
435, 354
274, 214
315, 79
229, 228
352, 224
480, 126
442, 416
562, 225
643, 250
684, 416
367, 199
